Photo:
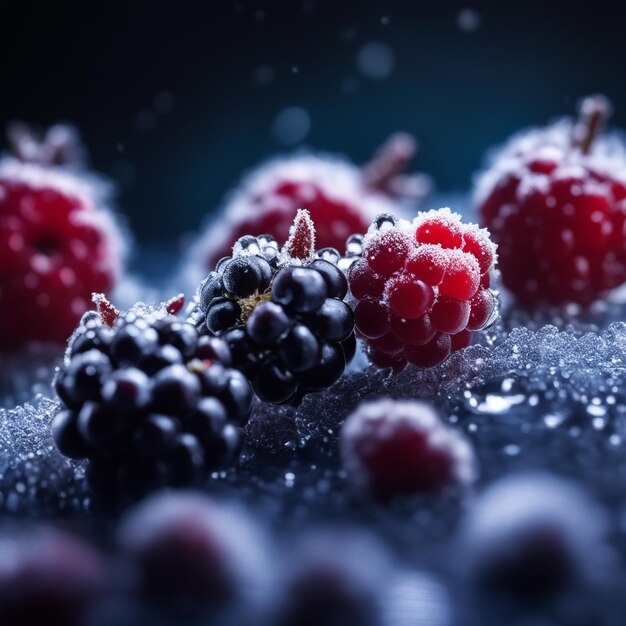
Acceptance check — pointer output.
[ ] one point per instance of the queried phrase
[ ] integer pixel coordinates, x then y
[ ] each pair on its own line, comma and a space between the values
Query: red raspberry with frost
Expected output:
391, 448
554, 200
58, 245
421, 288
341, 198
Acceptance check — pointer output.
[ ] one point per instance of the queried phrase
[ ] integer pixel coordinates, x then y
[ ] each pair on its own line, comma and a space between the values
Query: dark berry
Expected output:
131, 343
82, 380
66, 436
236, 396
333, 321
275, 383
211, 288
155, 435
222, 315
242, 350
212, 349
336, 282
161, 358
328, 369
267, 323
126, 390
301, 290
182, 336
101, 428
186, 459
298, 349
175, 390
246, 275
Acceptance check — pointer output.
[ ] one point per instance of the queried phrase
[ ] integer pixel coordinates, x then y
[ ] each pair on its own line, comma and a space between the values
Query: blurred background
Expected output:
176, 100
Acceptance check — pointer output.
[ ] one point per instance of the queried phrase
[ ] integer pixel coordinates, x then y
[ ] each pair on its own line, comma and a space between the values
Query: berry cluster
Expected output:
281, 313
555, 203
421, 288
147, 400
57, 247
391, 448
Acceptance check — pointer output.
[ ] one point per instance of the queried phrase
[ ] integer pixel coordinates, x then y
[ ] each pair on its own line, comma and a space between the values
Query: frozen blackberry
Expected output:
147, 400
282, 313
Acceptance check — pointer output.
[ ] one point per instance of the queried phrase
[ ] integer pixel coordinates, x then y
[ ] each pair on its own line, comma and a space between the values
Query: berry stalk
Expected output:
594, 111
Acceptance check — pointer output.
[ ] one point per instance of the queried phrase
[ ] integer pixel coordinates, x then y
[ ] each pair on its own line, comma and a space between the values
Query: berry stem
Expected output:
593, 113
386, 172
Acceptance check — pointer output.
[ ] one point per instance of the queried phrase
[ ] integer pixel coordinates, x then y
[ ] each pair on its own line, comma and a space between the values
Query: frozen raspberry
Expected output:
391, 448
420, 287
333, 578
282, 313
532, 535
58, 245
47, 577
341, 198
148, 401
189, 555
555, 203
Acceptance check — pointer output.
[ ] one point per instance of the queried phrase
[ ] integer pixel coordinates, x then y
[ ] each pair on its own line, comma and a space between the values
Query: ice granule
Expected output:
34, 477
572, 366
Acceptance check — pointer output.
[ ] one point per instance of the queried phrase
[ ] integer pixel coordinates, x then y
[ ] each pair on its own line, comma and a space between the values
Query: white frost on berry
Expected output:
92, 192
517, 508
374, 422
552, 143
340, 181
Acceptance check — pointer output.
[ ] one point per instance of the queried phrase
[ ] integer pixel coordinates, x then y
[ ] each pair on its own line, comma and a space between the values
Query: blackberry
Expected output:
147, 400
282, 313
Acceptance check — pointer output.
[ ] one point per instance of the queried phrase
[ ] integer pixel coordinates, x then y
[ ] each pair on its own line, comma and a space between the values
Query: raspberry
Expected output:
391, 448
554, 202
57, 247
147, 401
47, 577
187, 552
341, 198
420, 287
282, 314
532, 536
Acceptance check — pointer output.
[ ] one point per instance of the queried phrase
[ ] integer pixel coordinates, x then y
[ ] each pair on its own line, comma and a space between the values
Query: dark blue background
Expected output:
101, 65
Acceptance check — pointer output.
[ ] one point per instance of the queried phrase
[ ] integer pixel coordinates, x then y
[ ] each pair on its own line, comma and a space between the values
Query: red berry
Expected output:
388, 344
440, 227
434, 352
364, 281
56, 249
408, 297
392, 448
382, 360
388, 252
449, 315
553, 202
429, 289
478, 243
415, 332
428, 263
462, 277
371, 318
460, 340
481, 309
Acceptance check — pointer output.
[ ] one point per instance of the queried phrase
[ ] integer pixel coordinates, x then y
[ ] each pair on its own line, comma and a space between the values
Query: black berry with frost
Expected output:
282, 313
147, 400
